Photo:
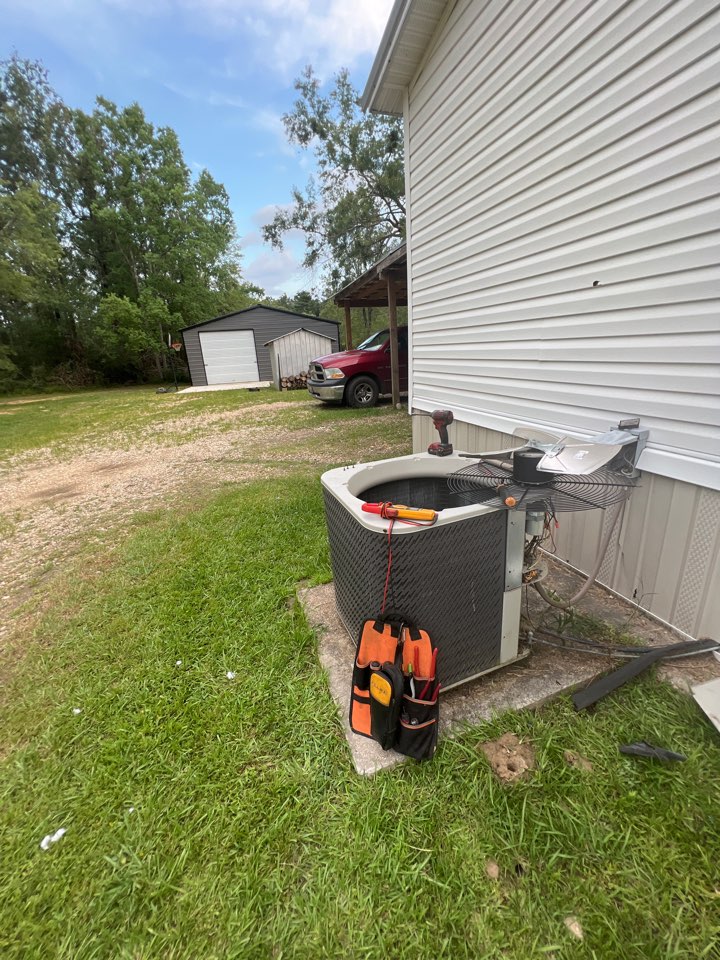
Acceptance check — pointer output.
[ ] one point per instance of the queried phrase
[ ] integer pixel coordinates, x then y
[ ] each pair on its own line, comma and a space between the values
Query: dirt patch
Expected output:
64, 491
576, 760
509, 759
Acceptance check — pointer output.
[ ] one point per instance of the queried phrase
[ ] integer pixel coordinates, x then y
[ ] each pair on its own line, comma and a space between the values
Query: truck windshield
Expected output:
374, 342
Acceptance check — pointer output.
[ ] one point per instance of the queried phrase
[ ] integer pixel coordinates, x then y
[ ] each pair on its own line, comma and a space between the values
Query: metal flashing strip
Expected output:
509, 639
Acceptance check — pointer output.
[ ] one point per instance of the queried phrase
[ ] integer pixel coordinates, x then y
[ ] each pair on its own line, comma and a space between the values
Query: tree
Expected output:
352, 211
107, 241
29, 249
146, 233
36, 132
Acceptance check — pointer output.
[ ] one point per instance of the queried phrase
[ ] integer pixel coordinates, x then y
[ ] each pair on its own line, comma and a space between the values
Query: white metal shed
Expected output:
291, 353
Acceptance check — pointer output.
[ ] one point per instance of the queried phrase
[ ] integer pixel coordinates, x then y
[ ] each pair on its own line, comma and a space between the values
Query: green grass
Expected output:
252, 837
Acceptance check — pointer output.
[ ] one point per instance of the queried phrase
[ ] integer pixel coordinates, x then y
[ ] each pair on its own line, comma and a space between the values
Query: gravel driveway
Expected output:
52, 506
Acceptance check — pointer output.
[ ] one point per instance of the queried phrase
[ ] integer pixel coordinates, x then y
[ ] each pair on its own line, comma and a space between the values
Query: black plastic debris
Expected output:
628, 671
645, 749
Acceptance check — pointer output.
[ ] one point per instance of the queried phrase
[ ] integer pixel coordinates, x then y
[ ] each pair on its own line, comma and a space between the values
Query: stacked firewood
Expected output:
298, 382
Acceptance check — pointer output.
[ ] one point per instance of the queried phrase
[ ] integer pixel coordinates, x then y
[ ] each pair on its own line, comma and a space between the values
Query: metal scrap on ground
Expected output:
707, 697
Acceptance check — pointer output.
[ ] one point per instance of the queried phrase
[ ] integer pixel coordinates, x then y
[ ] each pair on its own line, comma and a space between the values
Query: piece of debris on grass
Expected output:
230, 674
576, 760
51, 838
574, 927
492, 869
77, 710
509, 758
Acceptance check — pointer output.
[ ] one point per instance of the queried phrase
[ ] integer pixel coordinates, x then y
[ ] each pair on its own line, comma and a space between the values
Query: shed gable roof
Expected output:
325, 336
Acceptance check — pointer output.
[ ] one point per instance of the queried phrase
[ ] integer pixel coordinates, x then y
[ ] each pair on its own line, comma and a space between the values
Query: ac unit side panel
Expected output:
449, 580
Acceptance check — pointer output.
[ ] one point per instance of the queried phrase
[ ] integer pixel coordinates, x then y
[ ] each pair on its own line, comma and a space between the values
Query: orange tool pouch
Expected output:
394, 696
377, 650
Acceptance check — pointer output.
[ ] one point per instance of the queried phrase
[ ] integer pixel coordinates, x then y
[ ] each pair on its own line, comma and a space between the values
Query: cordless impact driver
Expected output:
441, 421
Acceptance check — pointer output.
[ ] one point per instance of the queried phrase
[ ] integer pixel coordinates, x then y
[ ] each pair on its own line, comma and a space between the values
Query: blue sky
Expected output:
220, 72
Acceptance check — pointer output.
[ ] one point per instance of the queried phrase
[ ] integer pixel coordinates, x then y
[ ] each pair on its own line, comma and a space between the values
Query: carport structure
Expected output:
384, 284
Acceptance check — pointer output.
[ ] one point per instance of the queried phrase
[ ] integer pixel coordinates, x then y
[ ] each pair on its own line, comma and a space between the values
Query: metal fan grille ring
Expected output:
487, 483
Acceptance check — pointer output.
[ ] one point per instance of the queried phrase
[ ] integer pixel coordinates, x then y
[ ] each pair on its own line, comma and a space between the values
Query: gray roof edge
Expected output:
387, 45
297, 330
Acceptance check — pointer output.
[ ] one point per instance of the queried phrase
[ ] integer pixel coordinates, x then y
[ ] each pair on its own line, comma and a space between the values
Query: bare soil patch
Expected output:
509, 759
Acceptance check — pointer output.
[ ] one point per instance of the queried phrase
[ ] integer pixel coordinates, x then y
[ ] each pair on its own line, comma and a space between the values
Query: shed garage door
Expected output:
229, 357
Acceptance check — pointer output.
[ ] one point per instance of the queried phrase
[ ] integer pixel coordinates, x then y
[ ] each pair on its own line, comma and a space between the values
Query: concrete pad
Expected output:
254, 384
546, 673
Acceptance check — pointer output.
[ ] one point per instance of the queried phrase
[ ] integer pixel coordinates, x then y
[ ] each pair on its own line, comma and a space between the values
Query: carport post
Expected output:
348, 329
394, 361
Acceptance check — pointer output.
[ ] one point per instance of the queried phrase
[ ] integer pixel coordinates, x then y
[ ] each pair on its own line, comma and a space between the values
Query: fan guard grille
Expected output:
488, 483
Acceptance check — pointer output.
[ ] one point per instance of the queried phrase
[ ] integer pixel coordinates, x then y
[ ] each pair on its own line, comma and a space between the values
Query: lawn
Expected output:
210, 817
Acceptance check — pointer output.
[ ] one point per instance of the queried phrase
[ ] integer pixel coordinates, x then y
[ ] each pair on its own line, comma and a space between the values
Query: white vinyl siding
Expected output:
564, 177
229, 357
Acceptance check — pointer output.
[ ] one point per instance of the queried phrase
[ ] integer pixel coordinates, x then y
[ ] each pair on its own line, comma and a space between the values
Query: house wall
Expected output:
562, 162
266, 324
292, 354
563, 165
666, 554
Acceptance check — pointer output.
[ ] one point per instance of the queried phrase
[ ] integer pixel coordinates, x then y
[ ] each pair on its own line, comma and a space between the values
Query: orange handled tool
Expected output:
398, 511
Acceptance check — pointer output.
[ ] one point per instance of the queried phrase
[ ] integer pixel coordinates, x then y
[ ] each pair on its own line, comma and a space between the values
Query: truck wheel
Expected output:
362, 392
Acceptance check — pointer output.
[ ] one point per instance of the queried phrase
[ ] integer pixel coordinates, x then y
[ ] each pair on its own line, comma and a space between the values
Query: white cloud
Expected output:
290, 33
285, 34
265, 214
276, 272
252, 239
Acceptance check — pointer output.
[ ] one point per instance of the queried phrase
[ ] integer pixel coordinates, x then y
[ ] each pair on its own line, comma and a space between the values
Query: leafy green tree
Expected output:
352, 210
36, 131
122, 334
29, 248
107, 242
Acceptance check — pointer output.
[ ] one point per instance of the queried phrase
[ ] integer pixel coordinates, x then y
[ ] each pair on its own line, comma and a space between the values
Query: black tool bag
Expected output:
418, 723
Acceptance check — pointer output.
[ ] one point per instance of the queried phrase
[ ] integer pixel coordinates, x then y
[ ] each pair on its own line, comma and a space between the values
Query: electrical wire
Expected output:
605, 650
592, 577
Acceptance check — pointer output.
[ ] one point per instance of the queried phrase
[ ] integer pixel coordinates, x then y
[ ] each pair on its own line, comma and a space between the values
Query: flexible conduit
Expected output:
605, 543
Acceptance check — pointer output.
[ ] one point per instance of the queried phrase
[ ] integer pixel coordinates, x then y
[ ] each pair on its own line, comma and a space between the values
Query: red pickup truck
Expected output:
358, 377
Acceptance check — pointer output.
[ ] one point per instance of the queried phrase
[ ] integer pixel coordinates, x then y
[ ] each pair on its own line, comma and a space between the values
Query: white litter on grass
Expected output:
230, 674
574, 926
52, 838
77, 710
178, 663
131, 809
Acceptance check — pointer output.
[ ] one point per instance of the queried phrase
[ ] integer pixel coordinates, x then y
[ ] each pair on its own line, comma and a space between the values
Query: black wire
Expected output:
607, 650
